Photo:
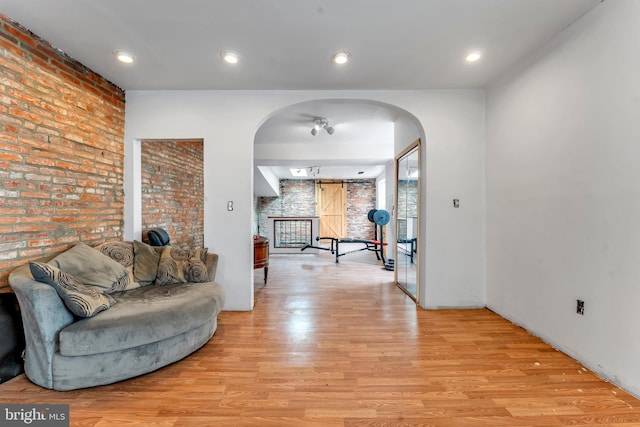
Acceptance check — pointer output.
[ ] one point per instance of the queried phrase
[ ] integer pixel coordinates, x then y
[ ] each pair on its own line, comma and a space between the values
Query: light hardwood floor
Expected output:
339, 345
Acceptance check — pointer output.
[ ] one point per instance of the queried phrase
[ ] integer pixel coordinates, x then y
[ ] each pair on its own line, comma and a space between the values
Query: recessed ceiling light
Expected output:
341, 58
230, 56
124, 56
473, 56
298, 172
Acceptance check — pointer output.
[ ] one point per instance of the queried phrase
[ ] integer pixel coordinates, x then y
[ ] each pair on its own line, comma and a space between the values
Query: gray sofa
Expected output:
148, 326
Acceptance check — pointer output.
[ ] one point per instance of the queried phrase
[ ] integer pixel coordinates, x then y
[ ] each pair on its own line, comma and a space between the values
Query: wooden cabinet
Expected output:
261, 254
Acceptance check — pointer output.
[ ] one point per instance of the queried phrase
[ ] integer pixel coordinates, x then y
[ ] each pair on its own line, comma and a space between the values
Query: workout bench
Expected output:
369, 245
380, 217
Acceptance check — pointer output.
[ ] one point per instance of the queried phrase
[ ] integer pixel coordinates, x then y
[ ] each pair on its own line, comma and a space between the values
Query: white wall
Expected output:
267, 181
227, 121
563, 192
452, 257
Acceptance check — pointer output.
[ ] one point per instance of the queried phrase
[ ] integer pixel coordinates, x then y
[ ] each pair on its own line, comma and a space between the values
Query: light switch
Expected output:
456, 203
230, 205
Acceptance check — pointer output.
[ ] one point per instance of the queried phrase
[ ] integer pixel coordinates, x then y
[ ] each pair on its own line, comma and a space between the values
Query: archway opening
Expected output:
365, 137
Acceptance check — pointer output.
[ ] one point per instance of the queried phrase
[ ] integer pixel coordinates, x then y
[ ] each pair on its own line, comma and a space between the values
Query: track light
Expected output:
321, 123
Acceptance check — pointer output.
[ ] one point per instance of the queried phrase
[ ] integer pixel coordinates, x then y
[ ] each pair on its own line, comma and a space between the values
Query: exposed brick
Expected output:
18, 34
173, 189
361, 198
11, 47
10, 157
298, 198
61, 148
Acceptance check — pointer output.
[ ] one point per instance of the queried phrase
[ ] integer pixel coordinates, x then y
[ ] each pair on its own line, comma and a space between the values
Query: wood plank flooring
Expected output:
339, 345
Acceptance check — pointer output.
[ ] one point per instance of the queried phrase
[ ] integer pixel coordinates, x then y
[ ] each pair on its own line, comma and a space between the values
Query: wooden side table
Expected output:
261, 254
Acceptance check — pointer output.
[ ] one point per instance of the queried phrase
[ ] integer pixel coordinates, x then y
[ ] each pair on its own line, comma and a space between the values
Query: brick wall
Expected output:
298, 198
61, 151
256, 214
361, 198
173, 189
407, 204
408, 198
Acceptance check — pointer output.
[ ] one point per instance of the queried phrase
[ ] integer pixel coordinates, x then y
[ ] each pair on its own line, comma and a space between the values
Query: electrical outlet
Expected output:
580, 307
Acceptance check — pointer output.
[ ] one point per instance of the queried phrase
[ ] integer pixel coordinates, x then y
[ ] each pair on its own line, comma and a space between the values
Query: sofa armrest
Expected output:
212, 265
44, 315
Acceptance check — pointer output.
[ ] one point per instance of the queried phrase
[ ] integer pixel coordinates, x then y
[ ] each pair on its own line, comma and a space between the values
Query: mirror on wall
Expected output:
407, 208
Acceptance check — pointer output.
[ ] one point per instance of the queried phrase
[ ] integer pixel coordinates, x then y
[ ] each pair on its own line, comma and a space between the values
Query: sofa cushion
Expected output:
79, 299
104, 275
145, 264
181, 266
141, 316
195, 271
123, 254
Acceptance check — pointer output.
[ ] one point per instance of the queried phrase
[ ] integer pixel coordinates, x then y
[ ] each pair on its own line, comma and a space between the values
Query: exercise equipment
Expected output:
370, 215
380, 217
408, 247
369, 245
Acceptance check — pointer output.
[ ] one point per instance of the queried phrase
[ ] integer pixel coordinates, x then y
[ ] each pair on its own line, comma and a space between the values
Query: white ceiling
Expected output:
367, 122
365, 127
288, 44
361, 144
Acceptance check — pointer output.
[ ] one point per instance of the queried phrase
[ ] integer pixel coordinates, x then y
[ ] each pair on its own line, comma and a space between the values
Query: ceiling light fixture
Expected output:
341, 57
230, 56
473, 56
321, 123
124, 56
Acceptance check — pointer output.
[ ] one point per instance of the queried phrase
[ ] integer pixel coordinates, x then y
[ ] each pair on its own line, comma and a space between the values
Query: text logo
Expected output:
34, 415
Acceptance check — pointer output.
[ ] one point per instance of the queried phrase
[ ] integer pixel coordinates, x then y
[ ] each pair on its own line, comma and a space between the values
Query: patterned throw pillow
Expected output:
145, 264
93, 268
122, 253
79, 299
181, 266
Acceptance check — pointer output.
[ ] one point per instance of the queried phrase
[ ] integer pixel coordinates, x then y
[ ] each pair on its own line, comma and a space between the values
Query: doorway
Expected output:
331, 205
368, 135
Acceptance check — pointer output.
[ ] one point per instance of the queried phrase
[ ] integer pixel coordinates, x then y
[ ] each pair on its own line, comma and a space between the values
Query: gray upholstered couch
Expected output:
147, 326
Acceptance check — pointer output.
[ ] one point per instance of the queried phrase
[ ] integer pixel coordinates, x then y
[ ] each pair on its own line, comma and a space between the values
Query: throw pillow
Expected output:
93, 268
121, 252
145, 264
181, 266
79, 299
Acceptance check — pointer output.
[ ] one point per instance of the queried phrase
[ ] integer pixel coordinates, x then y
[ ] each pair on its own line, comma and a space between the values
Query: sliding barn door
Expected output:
332, 208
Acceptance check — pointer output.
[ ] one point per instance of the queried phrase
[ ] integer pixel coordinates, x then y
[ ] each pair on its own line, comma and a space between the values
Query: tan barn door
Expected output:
332, 208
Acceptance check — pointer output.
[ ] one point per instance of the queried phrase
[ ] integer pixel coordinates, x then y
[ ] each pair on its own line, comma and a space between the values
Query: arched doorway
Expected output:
365, 137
